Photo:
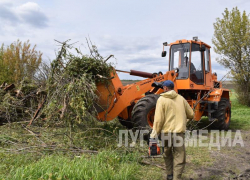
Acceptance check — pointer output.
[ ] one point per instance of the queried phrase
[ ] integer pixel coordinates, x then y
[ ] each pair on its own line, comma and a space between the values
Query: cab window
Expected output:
196, 65
206, 58
180, 59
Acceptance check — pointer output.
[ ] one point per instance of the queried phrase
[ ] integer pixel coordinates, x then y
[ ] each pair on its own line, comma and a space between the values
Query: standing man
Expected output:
171, 114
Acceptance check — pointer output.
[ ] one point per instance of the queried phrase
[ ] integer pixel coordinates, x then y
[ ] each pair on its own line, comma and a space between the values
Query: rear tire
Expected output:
143, 112
223, 115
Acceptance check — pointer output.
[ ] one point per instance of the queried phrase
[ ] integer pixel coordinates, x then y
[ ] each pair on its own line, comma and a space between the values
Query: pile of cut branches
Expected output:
72, 84
69, 92
18, 103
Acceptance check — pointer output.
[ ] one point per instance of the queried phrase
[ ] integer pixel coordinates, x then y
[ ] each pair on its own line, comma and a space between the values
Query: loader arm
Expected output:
119, 97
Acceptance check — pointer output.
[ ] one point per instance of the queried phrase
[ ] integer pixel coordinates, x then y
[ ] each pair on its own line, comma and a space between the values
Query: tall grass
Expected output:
105, 165
240, 114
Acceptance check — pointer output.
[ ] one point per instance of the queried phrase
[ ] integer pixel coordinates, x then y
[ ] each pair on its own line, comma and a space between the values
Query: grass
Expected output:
104, 165
240, 118
61, 162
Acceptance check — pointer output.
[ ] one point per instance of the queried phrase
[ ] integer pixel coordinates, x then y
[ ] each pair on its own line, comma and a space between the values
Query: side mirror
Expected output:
164, 53
165, 44
203, 48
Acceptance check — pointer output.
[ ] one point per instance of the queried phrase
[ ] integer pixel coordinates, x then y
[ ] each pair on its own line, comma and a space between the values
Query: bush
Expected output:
17, 61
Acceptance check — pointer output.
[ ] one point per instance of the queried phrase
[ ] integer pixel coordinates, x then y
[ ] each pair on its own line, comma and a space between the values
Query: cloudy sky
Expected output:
132, 30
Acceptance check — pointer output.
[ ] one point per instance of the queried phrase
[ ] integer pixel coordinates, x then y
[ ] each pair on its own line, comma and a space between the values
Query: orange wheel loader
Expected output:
189, 69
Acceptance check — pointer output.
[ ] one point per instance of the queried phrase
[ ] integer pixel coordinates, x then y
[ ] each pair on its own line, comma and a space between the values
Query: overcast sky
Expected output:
132, 30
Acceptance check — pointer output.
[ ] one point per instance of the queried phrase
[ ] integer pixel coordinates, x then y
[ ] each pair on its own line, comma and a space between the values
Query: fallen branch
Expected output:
37, 111
9, 87
152, 157
148, 163
51, 148
36, 135
109, 57
31, 132
100, 129
3, 85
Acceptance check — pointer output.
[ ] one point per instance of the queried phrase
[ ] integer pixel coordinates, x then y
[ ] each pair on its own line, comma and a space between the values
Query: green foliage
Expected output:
89, 66
232, 41
18, 60
72, 84
27, 86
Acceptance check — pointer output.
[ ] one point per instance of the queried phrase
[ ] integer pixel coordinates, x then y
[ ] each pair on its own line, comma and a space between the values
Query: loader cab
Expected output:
192, 58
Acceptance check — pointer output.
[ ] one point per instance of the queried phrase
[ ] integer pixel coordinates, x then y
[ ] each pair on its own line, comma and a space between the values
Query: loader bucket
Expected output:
106, 95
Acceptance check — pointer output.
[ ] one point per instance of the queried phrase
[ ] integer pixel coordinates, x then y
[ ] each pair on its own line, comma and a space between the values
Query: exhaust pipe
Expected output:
138, 73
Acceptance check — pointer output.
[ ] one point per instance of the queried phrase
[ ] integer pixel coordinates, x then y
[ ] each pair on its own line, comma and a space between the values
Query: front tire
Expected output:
126, 122
143, 112
223, 115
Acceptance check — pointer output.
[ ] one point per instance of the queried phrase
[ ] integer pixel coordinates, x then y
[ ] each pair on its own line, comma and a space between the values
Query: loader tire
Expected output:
143, 112
126, 122
223, 115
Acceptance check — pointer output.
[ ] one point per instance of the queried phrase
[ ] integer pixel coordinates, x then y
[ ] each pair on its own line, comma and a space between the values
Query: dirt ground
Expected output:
226, 164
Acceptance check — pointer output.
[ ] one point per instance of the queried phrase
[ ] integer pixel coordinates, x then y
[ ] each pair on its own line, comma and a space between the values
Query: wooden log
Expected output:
9, 87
